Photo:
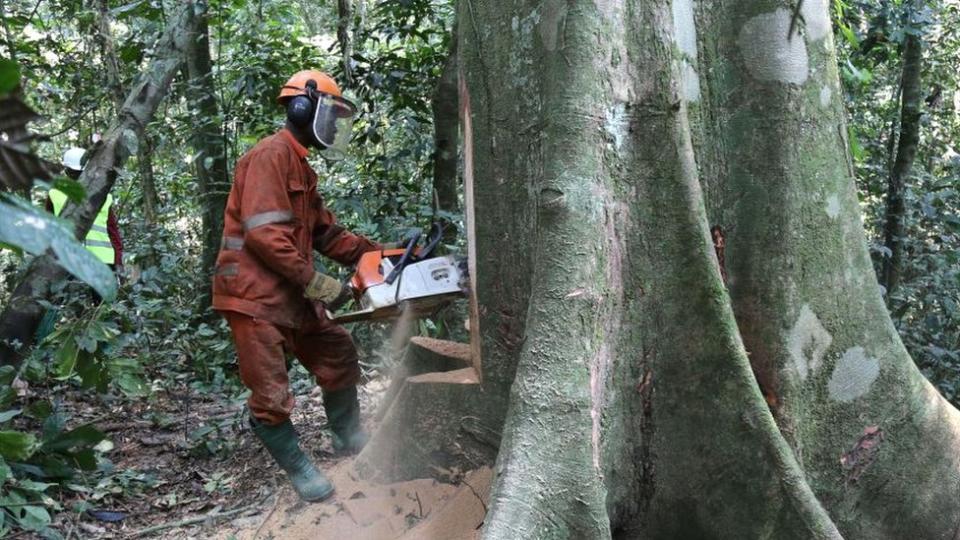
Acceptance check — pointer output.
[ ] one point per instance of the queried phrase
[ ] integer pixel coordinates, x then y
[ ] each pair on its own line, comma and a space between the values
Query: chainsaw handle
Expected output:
404, 259
433, 240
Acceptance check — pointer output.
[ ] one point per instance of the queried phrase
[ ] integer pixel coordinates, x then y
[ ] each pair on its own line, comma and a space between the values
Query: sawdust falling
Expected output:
421, 509
403, 330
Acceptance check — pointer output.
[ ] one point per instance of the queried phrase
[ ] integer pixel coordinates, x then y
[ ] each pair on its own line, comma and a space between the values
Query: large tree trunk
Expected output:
208, 141
445, 135
22, 314
843, 389
648, 397
894, 227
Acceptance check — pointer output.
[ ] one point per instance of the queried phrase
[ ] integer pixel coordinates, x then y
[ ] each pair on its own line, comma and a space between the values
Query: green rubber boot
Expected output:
283, 444
343, 419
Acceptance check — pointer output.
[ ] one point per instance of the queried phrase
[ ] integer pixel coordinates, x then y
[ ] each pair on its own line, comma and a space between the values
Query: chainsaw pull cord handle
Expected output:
404, 259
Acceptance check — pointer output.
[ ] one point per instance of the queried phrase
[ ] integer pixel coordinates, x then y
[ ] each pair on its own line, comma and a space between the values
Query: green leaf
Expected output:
65, 361
132, 384
31, 485
34, 518
86, 436
856, 149
92, 373
39, 410
9, 75
71, 188
16, 445
849, 36
6, 416
85, 459
36, 232
7, 374
53, 426
7, 396
5, 472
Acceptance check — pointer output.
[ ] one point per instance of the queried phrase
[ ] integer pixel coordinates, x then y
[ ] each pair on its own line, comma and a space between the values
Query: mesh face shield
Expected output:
333, 125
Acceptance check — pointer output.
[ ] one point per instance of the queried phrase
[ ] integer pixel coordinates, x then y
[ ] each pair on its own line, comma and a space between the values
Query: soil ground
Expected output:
193, 470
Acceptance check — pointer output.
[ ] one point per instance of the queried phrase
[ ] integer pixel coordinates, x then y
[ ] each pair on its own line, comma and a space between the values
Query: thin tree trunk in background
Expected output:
147, 181
207, 140
344, 15
894, 227
446, 129
104, 38
20, 318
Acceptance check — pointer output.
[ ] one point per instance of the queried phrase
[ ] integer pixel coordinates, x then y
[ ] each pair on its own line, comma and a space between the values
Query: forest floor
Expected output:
187, 467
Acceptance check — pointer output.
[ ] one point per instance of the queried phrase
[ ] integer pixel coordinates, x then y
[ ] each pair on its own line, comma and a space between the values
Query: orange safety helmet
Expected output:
297, 84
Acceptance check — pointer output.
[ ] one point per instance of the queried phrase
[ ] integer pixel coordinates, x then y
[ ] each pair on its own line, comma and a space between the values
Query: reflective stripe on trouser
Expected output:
324, 348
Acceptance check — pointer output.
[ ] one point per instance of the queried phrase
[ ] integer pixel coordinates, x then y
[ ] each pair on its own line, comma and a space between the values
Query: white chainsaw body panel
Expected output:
432, 277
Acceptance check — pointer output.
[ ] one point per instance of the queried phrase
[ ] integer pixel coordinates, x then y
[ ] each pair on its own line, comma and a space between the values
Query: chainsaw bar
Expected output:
418, 307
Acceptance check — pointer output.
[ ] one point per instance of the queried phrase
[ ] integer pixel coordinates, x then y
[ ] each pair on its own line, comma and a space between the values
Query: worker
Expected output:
266, 286
103, 239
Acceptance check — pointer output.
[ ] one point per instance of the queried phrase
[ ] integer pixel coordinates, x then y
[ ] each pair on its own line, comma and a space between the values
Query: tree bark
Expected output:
147, 181
446, 130
344, 14
894, 227
844, 392
208, 141
104, 37
20, 317
646, 399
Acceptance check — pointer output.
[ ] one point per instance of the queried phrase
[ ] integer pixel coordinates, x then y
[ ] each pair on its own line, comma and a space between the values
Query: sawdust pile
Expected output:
423, 509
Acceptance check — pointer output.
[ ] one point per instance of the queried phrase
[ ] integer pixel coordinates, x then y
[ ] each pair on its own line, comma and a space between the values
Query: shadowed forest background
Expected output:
129, 414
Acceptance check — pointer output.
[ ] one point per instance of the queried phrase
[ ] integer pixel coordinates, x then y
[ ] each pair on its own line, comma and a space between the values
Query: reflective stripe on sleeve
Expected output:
99, 228
231, 269
266, 218
232, 243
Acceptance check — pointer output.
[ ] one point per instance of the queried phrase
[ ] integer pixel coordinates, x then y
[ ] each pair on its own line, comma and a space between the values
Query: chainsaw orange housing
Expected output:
368, 271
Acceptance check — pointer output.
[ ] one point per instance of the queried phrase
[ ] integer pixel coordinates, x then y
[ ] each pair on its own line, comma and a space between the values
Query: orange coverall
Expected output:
273, 221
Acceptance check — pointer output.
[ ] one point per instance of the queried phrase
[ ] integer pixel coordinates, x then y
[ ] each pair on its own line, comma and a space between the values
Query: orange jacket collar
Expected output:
300, 149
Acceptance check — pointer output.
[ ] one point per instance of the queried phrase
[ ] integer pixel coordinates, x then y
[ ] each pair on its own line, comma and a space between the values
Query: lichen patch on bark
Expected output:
616, 124
816, 18
768, 52
853, 375
833, 206
685, 34
807, 342
825, 95
551, 23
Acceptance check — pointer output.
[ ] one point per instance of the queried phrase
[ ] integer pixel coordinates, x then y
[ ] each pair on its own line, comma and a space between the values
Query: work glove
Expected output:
332, 293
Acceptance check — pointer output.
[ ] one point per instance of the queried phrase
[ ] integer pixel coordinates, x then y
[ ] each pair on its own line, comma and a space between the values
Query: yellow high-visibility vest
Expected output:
98, 239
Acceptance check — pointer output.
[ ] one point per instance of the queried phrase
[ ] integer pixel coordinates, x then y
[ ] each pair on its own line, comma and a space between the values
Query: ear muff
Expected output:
300, 111
300, 108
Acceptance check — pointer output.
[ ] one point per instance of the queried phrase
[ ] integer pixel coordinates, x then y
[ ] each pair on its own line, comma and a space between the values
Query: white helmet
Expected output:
72, 159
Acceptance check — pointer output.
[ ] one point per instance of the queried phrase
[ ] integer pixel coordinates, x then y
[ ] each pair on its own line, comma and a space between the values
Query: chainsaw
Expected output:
409, 279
